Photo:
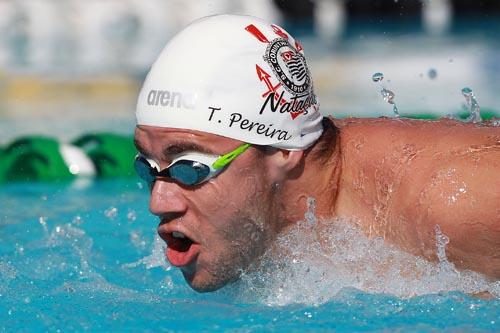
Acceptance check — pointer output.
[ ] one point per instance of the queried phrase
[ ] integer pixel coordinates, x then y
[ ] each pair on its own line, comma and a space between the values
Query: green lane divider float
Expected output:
111, 154
40, 158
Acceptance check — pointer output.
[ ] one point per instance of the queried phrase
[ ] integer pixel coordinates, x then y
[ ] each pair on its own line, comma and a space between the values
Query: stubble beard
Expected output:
248, 236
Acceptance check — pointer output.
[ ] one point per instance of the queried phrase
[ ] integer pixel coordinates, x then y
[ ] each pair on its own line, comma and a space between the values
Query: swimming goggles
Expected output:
190, 168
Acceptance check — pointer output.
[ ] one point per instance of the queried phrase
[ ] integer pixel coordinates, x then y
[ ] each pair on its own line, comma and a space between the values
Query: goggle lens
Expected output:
144, 170
189, 172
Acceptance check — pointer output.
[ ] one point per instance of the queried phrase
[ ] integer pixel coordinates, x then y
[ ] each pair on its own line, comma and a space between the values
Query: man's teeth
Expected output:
178, 234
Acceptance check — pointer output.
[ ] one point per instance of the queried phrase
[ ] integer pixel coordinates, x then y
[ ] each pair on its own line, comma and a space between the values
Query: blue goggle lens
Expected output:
185, 172
144, 170
188, 172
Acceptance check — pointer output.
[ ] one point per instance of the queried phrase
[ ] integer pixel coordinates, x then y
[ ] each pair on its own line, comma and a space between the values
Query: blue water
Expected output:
85, 257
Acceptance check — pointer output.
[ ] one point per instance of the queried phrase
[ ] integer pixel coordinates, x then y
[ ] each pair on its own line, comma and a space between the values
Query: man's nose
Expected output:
167, 199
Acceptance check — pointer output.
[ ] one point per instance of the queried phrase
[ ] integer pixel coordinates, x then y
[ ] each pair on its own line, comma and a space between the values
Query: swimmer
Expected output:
232, 144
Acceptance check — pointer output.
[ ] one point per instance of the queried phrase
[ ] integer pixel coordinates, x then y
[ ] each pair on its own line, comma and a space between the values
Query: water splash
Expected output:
310, 214
328, 256
155, 259
43, 222
8, 273
441, 242
387, 95
472, 105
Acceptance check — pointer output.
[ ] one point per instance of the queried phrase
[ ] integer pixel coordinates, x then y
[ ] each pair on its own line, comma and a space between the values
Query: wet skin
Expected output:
401, 178
229, 218
393, 178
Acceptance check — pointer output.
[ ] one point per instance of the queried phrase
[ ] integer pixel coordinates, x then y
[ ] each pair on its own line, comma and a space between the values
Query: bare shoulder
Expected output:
444, 127
410, 175
434, 138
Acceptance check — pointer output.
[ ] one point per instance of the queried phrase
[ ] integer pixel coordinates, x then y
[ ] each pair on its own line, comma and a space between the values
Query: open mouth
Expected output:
181, 250
179, 242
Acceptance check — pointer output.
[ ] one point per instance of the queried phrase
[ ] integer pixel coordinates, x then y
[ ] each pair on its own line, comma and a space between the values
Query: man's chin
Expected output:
203, 282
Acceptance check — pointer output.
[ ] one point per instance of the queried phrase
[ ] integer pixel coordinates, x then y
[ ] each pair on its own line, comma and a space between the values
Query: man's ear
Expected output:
282, 164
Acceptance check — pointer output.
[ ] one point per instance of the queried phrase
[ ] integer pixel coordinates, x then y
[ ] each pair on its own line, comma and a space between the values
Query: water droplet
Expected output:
450, 61
131, 216
42, 220
168, 283
432, 73
473, 106
27, 300
19, 249
111, 212
467, 92
77, 220
58, 229
387, 95
396, 111
140, 186
377, 77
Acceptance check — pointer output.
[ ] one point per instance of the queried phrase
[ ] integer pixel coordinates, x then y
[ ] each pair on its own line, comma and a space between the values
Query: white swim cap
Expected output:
236, 76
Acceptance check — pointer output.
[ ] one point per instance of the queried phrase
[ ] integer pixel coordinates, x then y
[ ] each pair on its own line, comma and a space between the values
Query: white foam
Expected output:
307, 274
155, 259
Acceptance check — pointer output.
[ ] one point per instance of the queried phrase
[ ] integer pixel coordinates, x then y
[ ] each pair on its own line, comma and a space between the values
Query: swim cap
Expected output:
236, 76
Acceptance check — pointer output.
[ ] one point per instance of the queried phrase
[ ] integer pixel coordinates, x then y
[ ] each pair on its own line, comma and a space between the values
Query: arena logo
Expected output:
171, 99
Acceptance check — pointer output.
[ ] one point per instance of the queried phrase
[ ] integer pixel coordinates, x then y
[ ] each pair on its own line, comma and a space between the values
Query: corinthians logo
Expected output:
289, 66
290, 69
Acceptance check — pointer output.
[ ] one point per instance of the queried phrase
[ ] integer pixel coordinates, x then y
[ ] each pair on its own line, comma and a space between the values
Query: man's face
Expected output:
227, 222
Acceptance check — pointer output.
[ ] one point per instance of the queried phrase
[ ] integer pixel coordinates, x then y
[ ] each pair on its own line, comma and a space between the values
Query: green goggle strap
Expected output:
229, 157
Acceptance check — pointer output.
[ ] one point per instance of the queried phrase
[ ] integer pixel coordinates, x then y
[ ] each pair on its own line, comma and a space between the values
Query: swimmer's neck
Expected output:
320, 181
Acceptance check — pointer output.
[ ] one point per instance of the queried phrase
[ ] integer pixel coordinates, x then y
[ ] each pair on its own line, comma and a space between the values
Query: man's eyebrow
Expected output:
180, 147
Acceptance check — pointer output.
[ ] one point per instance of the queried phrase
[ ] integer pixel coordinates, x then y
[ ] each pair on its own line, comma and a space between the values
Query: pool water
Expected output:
84, 256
